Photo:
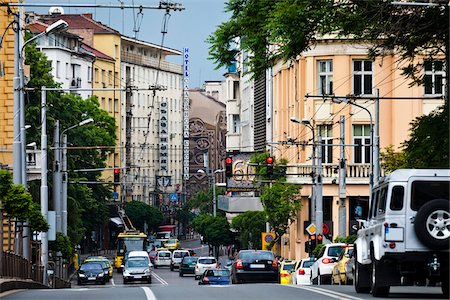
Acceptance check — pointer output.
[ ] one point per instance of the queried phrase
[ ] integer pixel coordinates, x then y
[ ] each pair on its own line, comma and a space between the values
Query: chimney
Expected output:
87, 15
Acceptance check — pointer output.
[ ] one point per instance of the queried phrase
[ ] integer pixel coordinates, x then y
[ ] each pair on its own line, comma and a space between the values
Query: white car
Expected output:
177, 257
302, 275
204, 263
137, 267
163, 258
323, 265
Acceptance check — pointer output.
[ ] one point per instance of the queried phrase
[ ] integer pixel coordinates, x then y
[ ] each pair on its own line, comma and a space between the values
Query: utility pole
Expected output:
319, 186
342, 176
44, 187
128, 119
376, 149
64, 185
57, 177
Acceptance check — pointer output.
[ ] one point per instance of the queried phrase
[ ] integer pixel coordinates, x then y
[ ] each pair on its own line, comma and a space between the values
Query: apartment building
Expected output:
300, 89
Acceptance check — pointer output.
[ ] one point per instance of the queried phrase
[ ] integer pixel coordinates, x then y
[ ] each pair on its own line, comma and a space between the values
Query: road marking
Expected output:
332, 294
112, 282
148, 293
159, 278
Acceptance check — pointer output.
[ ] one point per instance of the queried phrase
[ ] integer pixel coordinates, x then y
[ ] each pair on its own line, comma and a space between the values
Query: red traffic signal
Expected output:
269, 160
116, 176
269, 165
228, 166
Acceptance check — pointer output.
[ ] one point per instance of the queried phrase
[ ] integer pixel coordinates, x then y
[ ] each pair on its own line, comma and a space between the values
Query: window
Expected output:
326, 132
362, 77
361, 138
425, 191
236, 90
434, 77
58, 69
89, 74
325, 72
398, 193
96, 75
236, 124
67, 71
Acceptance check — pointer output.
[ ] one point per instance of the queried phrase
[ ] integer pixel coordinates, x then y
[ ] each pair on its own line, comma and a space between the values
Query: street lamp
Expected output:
213, 180
313, 210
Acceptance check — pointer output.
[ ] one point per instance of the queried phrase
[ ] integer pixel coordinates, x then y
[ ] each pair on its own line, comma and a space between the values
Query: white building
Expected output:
151, 131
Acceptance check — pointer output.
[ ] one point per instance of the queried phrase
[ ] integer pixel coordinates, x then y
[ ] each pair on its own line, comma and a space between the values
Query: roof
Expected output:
95, 52
38, 27
167, 51
79, 21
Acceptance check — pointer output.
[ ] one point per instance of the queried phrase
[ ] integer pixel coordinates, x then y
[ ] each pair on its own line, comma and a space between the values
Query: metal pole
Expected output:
314, 174
318, 194
57, 178
17, 173
214, 194
44, 187
342, 190
64, 185
376, 165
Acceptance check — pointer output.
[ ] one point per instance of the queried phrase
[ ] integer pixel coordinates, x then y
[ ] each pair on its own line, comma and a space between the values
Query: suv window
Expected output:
424, 191
398, 193
335, 251
373, 203
207, 261
381, 208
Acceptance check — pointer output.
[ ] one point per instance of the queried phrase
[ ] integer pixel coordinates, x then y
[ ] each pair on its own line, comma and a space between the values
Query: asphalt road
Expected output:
168, 285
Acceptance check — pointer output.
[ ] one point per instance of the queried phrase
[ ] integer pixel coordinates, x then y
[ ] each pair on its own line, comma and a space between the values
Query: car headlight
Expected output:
81, 275
147, 270
101, 274
126, 273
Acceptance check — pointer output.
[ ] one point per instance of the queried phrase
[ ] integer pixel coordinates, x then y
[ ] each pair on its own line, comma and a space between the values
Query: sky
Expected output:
188, 28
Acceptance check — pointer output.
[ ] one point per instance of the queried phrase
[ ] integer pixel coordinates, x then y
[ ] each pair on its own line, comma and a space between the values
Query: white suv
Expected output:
203, 264
406, 236
324, 262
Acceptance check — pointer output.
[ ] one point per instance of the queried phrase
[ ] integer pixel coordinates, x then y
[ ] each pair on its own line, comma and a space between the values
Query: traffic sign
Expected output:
311, 229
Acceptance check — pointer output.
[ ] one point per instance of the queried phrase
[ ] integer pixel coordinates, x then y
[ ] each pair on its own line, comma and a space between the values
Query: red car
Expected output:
152, 255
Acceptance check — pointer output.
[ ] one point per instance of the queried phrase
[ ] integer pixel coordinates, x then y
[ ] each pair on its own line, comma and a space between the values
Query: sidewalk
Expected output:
7, 284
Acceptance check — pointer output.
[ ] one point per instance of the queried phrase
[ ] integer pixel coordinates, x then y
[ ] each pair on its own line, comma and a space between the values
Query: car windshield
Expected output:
171, 242
334, 251
90, 266
207, 261
219, 273
180, 254
256, 255
308, 263
190, 259
164, 254
288, 267
136, 263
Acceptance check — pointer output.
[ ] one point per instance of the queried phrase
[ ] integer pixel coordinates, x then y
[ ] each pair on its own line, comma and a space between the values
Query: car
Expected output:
137, 267
91, 272
302, 275
324, 263
350, 269
204, 263
254, 265
225, 263
286, 267
163, 259
406, 236
187, 265
338, 272
105, 260
215, 277
177, 257
172, 244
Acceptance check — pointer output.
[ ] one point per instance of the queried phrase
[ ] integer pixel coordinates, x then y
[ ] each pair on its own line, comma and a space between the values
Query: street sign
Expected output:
115, 195
311, 229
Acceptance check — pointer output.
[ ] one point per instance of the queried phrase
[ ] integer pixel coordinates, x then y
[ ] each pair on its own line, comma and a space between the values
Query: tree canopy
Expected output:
250, 225
273, 30
141, 213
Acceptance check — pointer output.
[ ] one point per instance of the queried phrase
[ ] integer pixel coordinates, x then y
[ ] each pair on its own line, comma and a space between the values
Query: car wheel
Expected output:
378, 290
171, 268
155, 266
125, 281
181, 274
149, 281
196, 277
431, 224
79, 282
361, 276
103, 282
314, 281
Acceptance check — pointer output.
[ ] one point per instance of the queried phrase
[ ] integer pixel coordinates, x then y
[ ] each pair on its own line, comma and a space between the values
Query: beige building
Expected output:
300, 90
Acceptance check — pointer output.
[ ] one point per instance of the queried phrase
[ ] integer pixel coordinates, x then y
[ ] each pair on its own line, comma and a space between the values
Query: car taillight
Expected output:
326, 260
205, 279
301, 272
392, 245
284, 275
274, 264
239, 264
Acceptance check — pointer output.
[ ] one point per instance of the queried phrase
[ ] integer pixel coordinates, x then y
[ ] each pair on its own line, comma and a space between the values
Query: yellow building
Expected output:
300, 88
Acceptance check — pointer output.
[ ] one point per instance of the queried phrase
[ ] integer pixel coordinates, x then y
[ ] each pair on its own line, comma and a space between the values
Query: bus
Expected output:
126, 242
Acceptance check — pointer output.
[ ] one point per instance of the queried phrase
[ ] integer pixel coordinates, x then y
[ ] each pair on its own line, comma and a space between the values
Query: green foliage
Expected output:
260, 165
141, 213
63, 244
215, 230
391, 160
317, 249
250, 225
294, 26
281, 203
18, 203
428, 145
350, 239
204, 201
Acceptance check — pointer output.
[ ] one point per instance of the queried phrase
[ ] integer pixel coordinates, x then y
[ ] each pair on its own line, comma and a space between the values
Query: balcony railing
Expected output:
142, 60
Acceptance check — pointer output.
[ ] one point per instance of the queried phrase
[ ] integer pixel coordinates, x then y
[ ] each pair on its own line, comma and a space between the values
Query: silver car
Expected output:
137, 269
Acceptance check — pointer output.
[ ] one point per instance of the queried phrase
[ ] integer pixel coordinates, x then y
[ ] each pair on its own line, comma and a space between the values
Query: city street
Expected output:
169, 285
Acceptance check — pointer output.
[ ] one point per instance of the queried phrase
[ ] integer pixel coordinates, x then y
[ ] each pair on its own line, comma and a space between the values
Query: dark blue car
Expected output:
215, 276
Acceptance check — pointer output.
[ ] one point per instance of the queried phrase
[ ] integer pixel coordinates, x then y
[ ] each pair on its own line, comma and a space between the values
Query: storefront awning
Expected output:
117, 221
166, 227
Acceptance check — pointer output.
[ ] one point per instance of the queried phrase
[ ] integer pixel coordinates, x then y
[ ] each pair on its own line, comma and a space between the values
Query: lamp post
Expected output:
213, 181
312, 210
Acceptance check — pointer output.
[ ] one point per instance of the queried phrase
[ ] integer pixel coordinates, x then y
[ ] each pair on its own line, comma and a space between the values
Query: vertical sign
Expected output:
186, 113
163, 137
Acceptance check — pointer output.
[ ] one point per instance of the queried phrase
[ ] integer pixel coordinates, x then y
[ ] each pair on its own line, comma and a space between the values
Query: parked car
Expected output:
137, 267
204, 263
350, 269
286, 267
172, 244
324, 263
302, 275
106, 265
163, 258
255, 265
177, 257
215, 277
187, 265
338, 272
91, 272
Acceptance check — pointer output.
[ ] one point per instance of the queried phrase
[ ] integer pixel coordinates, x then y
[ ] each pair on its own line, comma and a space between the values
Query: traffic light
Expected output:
319, 239
116, 176
229, 166
269, 165
312, 242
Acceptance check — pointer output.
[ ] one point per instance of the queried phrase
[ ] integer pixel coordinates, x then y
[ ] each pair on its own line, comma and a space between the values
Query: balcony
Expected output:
75, 83
151, 62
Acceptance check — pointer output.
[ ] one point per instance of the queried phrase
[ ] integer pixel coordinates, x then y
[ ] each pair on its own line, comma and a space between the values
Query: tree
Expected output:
18, 203
215, 230
141, 213
86, 203
392, 160
250, 225
283, 29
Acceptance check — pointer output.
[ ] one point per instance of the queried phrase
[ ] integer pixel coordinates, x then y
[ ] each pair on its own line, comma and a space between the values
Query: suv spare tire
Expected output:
432, 224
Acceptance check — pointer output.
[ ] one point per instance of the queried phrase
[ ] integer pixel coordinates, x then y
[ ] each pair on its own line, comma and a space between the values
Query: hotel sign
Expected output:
163, 136
186, 113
